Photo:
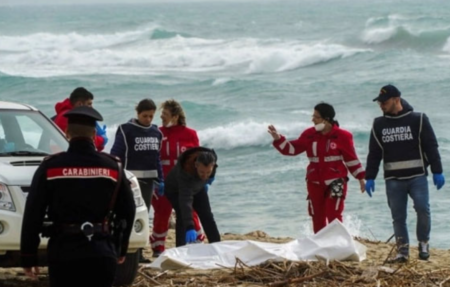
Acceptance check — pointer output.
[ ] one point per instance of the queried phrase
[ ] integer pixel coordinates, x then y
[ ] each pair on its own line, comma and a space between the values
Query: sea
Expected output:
236, 67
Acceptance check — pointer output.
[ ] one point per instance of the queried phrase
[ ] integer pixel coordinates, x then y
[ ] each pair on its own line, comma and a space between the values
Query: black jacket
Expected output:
184, 181
75, 187
405, 142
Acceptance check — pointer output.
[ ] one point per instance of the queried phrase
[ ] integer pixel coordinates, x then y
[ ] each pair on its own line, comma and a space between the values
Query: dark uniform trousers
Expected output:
146, 185
91, 272
201, 205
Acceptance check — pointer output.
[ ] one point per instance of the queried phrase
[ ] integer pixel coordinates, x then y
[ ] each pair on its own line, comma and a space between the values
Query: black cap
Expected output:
386, 93
83, 115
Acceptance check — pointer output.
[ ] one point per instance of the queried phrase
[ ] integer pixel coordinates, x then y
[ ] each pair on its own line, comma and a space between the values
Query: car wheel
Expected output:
127, 271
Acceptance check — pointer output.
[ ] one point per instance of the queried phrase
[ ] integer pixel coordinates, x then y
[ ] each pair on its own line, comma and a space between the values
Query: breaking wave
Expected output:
154, 50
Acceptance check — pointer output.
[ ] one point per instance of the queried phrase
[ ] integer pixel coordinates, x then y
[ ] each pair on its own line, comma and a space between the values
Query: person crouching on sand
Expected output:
186, 189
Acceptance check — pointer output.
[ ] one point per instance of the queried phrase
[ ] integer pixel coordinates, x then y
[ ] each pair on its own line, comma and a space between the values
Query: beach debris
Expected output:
289, 273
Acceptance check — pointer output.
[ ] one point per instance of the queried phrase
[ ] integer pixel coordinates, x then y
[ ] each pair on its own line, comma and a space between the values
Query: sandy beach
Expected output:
370, 272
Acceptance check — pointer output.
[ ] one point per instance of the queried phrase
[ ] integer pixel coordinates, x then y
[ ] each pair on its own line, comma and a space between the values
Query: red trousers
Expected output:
322, 207
163, 210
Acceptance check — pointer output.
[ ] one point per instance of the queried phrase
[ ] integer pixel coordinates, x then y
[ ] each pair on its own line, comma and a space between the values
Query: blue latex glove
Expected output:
160, 189
191, 236
206, 187
210, 180
438, 180
370, 187
101, 131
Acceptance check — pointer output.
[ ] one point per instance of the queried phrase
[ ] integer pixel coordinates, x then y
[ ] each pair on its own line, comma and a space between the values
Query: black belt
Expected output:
88, 229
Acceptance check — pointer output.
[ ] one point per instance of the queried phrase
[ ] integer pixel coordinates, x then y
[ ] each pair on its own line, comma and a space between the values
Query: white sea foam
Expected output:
280, 59
352, 224
135, 53
410, 31
221, 81
244, 134
379, 35
446, 47
251, 133
72, 41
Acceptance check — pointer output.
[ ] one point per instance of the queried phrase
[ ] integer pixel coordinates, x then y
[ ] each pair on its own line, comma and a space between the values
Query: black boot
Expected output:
142, 259
424, 251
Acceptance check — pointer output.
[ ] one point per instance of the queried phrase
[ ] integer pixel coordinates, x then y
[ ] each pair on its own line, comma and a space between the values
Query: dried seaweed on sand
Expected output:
288, 273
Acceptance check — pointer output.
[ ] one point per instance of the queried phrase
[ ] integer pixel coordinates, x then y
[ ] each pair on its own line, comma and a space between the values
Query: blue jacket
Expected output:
138, 147
406, 143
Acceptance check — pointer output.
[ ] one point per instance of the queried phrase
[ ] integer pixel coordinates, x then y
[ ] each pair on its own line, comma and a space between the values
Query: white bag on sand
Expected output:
333, 242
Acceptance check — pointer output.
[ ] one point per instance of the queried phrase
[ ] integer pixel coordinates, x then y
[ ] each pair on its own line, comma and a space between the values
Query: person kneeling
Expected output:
186, 189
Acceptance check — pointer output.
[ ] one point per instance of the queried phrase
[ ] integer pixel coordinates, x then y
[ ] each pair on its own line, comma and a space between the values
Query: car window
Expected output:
2, 136
2, 132
29, 131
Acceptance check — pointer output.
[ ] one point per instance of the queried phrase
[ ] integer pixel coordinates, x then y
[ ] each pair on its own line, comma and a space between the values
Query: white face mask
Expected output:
170, 124
319, 127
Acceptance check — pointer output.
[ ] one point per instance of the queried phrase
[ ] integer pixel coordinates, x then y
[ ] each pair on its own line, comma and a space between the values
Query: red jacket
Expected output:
175, 141
330, 155
61, 121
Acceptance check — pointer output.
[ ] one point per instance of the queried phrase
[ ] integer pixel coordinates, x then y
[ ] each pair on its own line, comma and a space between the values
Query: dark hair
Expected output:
206, 158
79, 130
145, 105
80, 94
327, 112
175, 110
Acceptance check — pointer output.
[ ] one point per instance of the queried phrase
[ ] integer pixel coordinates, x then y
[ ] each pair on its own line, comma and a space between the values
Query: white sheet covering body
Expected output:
333, 242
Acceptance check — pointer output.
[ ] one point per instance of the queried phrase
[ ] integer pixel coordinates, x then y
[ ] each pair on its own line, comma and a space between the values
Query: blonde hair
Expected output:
175, 109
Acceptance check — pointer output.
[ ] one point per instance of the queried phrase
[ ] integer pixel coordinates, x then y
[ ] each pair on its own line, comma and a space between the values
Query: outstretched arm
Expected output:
286, 147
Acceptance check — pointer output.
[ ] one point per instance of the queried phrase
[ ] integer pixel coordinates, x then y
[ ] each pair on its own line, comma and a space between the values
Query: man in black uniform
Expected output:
405, 141
82, 191
185, 188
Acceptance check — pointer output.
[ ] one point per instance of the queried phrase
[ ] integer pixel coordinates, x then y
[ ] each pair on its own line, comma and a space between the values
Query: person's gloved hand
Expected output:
160, 189
210, 180
101, 131
191, 236
206, 187
438, 180
370, 187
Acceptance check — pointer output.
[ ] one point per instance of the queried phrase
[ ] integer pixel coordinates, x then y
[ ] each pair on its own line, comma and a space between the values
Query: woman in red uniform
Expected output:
177, 138
331, 155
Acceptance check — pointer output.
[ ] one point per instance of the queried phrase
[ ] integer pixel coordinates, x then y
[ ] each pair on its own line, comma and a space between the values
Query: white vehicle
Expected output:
26, 137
